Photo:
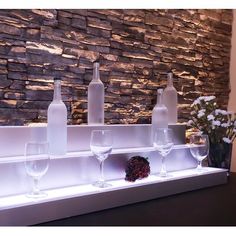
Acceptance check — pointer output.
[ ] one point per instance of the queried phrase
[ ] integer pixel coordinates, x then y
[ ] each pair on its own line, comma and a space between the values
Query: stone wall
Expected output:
136, 48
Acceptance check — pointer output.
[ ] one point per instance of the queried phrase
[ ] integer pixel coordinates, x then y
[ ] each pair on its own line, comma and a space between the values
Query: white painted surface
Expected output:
232, 98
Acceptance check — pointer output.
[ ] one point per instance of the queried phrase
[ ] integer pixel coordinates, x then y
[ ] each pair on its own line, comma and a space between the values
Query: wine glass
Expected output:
163, 143
101, 146
36, 164
199, 148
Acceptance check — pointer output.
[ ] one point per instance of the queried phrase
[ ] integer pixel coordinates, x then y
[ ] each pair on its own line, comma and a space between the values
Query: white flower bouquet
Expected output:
219, 125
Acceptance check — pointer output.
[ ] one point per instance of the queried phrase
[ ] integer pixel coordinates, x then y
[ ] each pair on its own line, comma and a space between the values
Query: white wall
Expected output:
232, 98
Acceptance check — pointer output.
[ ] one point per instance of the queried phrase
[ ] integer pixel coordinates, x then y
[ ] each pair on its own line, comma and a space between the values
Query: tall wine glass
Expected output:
36, 165
101, 146
163, 143
199, 148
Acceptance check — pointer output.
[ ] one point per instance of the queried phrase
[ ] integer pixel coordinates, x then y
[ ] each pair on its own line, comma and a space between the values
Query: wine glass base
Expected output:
164, 175
36, 195
200, 170
101, 184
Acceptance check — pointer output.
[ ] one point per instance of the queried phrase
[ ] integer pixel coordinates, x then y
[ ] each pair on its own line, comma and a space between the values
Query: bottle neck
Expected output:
57, 90
96, 75
170, 80
159, 97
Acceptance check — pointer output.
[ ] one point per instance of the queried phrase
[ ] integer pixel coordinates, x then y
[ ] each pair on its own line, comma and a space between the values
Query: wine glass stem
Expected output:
101, 171
199, 167
36, 185
163, 166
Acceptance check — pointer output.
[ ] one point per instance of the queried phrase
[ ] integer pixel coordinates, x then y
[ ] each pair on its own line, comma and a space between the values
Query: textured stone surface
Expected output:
136, 48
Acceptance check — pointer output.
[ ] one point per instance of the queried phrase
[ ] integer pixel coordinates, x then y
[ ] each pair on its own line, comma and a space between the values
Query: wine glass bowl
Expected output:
163, 143
101, 146
101, 152
199, 148
36, 165
163, 149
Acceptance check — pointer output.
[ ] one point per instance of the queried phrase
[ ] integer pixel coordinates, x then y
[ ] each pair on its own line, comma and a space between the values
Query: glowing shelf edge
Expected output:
86, 153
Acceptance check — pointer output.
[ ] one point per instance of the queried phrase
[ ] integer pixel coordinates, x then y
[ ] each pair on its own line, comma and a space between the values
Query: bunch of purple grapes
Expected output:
137, 168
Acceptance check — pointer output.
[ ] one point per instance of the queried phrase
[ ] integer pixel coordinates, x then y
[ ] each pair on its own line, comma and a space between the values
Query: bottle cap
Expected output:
159, 90
56, 78
96, 64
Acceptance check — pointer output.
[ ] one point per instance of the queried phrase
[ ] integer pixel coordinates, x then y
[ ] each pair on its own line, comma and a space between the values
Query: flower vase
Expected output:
220, 155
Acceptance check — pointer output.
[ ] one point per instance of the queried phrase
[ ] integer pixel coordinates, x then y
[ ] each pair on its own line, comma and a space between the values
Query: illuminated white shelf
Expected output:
86, 153
68, 180
81, 199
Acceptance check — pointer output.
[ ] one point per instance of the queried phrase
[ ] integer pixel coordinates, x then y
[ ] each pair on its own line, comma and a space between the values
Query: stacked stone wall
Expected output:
135, 48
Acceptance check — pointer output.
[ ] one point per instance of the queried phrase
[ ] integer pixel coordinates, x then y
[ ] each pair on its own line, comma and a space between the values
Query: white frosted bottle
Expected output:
159, 113
170, 99
57, 123
96, 98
